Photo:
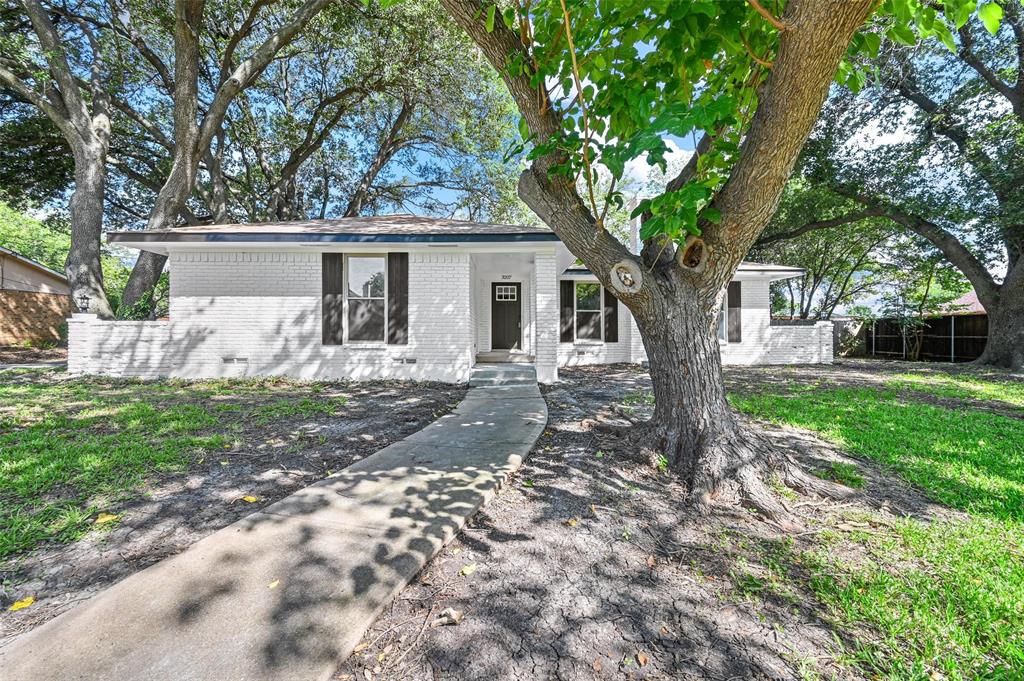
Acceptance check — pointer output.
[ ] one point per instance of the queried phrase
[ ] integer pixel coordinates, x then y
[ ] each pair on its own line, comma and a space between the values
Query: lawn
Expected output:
71, 449
927, 600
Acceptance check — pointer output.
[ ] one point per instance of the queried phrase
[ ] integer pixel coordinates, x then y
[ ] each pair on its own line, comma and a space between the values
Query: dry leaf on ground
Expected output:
23, 603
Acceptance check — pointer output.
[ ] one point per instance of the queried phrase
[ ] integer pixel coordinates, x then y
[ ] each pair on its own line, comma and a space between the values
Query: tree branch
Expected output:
951, 247
856, 216
1013, 95
771, 18
57, 60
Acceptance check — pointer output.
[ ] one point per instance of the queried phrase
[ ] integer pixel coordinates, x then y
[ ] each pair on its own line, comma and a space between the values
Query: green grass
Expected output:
965, 387
844, 473
968, 459
947, 597
944, 598
70, 449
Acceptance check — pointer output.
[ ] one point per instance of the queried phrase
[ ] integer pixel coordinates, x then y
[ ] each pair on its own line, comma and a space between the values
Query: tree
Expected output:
840, 265
70, 86
48, 242
935, 143
754, 83
194, 133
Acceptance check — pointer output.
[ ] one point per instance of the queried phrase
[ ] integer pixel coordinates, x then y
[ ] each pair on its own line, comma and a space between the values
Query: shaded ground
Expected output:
276, 436
22, 355
584, 566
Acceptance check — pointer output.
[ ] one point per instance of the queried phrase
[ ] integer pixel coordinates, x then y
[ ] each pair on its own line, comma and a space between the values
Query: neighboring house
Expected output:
34, 300
396, 297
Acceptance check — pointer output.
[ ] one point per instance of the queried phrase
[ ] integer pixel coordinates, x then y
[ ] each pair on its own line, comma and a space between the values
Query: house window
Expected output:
502, 292
589, 325
366, 297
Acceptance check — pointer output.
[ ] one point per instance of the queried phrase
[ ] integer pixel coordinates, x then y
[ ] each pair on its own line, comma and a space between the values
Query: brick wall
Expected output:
119, 348
254, 313
761, 342
545, 284
30, 317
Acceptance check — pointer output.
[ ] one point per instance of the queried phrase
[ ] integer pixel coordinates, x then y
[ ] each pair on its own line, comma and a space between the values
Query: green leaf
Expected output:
902, 34
872, 41
491, 11
991, 14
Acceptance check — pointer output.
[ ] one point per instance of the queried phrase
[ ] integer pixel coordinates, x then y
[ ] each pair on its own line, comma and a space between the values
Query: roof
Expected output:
965, 305
32, 263
384, 228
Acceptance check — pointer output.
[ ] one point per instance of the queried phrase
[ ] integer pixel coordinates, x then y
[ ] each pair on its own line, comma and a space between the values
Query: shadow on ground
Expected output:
585, 567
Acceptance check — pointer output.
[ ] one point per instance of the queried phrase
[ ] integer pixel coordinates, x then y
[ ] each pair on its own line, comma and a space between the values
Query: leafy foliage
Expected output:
637, 72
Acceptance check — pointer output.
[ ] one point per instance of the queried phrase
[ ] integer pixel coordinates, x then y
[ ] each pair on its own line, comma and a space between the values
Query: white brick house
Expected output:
396, 297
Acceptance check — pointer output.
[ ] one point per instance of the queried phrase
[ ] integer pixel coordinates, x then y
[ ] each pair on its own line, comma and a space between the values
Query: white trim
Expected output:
723, 319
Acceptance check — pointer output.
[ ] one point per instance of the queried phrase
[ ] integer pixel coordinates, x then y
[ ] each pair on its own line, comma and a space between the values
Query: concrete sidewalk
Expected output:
287, 592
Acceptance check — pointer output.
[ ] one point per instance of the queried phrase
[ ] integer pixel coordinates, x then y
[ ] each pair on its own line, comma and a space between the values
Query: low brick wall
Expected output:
117, 348
30, 317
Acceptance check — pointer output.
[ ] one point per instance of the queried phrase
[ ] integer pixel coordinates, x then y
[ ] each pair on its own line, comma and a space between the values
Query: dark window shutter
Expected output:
611, 317
333, 298
567, 290
735, 304
398, 298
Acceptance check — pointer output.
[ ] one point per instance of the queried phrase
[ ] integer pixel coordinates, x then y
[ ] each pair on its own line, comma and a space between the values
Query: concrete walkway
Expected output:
287, 592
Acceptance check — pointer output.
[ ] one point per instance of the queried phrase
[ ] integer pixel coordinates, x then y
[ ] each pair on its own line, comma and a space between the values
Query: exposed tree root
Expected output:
740, 467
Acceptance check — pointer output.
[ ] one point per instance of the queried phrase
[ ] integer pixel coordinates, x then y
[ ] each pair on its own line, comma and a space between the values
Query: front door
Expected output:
506, 316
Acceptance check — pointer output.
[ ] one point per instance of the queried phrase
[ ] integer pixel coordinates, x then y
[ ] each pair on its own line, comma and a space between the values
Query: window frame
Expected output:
723, 320
575, 312
346, 271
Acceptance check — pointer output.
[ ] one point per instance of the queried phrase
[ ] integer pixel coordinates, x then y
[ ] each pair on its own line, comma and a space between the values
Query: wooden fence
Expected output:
954, 338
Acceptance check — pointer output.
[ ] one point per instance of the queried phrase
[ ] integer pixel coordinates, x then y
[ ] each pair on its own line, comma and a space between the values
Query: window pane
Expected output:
588, 325
365, 320
365, 277
588, 297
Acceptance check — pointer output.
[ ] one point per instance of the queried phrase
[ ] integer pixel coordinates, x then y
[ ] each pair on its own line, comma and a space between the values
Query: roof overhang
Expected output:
167, 240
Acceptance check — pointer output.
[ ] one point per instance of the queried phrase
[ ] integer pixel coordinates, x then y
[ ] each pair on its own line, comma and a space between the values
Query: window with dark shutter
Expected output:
398, 298
566, 304
735, 307
333, 292
611, 317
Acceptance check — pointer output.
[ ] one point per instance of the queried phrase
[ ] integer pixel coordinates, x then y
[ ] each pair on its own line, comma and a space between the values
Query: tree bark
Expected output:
1005, 345
83, 268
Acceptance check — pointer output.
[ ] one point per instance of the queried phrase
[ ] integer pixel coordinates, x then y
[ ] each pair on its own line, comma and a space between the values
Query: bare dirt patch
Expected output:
585, 567
22, 355
274, 451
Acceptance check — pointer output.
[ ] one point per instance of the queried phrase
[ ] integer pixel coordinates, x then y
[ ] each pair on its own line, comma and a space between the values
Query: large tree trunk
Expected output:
85, 274
693, 426
1005, 345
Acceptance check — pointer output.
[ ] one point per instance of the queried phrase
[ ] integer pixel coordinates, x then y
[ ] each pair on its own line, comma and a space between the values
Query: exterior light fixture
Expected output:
82, 299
